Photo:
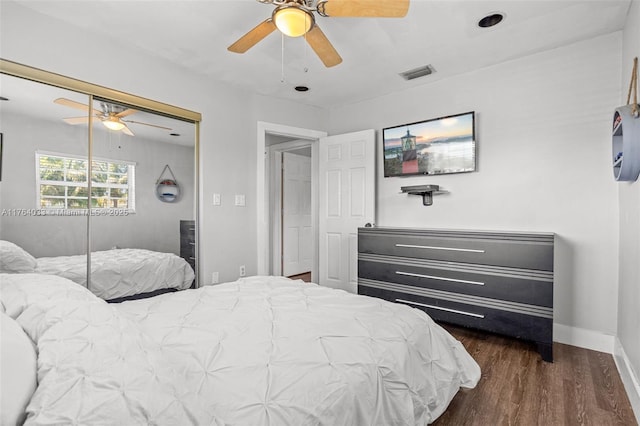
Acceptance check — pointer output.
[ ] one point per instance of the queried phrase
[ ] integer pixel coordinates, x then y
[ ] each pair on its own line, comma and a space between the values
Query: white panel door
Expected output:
347, 201
297, 236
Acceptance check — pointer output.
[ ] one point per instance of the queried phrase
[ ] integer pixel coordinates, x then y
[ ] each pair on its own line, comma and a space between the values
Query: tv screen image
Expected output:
431, 147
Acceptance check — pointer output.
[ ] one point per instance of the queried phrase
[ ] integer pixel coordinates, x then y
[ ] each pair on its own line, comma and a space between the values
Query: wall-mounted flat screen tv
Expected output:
431, 147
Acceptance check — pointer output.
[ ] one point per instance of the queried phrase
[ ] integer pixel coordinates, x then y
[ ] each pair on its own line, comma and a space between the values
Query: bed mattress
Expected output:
122, 272
259, 351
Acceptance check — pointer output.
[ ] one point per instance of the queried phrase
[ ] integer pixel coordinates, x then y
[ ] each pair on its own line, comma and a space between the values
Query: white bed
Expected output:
259, 351
115, 274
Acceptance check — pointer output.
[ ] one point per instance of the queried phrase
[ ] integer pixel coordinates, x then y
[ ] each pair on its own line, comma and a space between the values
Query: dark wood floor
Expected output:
306, 277
581, 387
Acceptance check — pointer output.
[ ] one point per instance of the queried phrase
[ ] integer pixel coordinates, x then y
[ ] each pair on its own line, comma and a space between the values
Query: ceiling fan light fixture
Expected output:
292, 21
113, 123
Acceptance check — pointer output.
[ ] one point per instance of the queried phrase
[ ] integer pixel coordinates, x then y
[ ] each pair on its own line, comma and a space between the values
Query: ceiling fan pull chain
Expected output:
306, 53
282, 58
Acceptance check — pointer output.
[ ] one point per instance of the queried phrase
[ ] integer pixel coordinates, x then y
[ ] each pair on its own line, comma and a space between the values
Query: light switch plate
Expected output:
216, 199
240, 200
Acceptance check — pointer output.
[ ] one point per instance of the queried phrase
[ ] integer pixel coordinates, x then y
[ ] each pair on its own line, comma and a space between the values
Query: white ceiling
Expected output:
195, 34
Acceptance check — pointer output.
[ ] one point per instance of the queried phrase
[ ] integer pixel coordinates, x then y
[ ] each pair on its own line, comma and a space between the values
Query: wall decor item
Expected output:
626, 134
431, 147
167, 190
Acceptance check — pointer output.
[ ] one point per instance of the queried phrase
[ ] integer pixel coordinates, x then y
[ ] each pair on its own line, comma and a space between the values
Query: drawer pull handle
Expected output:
409, 274
440, 248
192, 243
455, 311
192, 258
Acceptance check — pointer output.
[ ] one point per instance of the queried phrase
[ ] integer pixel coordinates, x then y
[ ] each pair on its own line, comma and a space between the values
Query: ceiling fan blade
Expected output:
126, 112
364, 8
323, 47
127, 131
79, 120
251, 38
147, 124
72, 104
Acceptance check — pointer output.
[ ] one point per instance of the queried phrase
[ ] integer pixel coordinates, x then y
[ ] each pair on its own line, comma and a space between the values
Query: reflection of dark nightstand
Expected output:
188, 243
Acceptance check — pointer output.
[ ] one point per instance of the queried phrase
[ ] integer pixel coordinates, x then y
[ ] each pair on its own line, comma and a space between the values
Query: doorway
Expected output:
292, 230
275, 138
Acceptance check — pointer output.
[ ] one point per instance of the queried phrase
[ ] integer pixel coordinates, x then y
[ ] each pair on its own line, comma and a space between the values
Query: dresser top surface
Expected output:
456, 233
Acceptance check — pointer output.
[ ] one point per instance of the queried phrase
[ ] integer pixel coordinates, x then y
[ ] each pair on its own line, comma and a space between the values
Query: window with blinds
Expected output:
62, 182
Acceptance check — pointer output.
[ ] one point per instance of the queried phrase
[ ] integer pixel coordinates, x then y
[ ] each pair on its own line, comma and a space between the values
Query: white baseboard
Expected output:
629, 377
583, 338
598, 341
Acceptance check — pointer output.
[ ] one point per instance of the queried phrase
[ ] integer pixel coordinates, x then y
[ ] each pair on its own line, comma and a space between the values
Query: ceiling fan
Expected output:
111, 116
295, 18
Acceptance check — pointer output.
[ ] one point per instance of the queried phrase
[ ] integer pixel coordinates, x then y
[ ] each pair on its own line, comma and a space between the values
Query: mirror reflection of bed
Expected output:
134, 237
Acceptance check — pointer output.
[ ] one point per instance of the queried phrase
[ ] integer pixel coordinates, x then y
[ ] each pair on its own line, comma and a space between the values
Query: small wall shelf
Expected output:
626, 144
427, 192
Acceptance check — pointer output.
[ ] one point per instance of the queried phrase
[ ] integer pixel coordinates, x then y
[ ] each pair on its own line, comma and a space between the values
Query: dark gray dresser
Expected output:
188, 242
489, 280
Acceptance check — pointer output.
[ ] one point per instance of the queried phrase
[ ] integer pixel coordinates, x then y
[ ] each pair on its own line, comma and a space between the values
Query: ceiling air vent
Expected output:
418, 72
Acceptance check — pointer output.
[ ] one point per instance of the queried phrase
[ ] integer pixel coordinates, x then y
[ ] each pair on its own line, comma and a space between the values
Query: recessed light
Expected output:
491, 20
301, 88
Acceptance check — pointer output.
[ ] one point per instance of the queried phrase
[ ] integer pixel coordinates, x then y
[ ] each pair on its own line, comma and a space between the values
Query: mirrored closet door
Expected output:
40, 189
100, 190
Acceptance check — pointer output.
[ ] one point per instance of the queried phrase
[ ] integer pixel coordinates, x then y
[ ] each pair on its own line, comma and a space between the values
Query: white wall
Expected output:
629, 200
544, 149
228, 130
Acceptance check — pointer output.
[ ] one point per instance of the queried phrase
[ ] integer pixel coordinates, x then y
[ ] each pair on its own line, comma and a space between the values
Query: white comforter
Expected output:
122, 272
259, 351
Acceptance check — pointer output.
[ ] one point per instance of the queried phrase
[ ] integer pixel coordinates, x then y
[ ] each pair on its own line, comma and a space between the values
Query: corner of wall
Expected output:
629, 377
583, 338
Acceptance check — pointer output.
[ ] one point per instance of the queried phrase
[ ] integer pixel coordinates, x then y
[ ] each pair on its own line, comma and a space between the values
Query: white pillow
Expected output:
15, 260
18, 371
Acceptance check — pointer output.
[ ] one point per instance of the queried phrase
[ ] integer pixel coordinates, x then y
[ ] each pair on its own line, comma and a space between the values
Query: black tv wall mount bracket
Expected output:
427, 192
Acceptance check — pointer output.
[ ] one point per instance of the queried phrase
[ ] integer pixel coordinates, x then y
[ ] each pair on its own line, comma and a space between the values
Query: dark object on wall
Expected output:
431, 147
167, 190
626, 134
426, 191
500, 282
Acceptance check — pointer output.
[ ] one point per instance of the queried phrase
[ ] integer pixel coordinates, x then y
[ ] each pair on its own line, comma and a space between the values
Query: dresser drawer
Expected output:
486, 249
188, 248
536, 326
187, 232
188, 242
485, 281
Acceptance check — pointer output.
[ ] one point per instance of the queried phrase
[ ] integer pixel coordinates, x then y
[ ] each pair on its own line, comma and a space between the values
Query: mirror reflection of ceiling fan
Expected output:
110, 115
295, 18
